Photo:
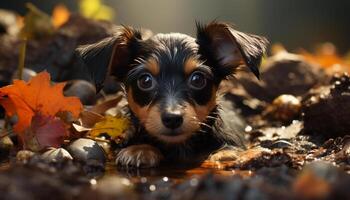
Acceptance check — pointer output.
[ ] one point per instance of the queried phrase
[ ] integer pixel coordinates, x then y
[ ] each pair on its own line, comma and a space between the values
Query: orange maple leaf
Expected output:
38, 96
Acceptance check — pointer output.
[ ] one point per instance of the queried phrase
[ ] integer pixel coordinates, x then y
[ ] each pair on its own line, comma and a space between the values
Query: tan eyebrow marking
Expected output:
190, 65
153, 66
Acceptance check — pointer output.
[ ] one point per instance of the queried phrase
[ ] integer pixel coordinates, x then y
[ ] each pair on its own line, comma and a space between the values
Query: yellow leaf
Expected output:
113, 126
95, 9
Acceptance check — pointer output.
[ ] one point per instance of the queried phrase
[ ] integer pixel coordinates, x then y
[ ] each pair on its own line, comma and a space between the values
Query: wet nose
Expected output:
172, 120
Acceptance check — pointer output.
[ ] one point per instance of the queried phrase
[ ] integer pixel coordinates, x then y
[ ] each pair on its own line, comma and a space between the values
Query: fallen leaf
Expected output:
80, 128
326, 56
88, 118
60, 15
113, 126
37, 97
45, 131
104, 106
95, 9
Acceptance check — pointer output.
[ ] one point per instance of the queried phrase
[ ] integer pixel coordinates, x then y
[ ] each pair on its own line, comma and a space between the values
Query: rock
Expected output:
86, 149
283, 73
54, 154
284, 108
344, 154
24, 156
26, 76
326, 111
105, 144
8, 23
321, 180
82, 89
6, 145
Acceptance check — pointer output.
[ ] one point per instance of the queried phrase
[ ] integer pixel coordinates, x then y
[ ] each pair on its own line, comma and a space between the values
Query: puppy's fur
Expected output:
171, 82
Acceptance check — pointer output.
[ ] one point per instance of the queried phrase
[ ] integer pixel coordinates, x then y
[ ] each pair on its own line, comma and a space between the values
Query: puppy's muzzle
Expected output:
172, 120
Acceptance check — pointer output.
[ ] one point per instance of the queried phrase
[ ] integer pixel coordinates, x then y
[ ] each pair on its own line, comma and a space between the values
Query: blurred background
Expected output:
294, 23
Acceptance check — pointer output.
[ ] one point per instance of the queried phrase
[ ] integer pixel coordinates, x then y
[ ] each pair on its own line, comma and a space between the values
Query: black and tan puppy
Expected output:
171, 82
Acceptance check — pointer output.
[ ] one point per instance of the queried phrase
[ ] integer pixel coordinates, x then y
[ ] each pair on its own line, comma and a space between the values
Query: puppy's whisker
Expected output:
211, 117
201, 131
204, 124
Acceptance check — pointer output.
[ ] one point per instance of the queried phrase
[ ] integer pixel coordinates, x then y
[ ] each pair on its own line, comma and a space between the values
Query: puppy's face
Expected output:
171, 79
170, 89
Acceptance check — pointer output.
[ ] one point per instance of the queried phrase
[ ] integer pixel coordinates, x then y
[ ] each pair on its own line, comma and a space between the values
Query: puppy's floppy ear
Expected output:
110, 56
229, 48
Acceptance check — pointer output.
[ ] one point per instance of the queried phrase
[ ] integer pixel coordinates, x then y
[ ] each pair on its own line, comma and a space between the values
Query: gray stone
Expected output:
86, 149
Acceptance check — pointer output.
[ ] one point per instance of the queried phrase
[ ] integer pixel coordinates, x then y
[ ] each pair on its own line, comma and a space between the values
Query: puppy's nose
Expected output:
172, 120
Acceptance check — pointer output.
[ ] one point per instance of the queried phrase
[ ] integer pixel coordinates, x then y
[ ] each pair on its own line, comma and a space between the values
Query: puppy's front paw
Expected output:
139, 156
224, 155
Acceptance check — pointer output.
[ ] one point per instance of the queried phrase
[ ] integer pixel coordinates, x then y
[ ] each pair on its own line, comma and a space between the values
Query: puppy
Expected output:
171, 83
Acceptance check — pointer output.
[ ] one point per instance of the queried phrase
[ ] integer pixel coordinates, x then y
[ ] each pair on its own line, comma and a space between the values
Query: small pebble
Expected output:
23, 156
82, 89
86, 149
285, 107
54, 154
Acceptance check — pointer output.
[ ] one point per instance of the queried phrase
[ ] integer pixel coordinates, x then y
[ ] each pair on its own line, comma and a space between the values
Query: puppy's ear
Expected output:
228, 48
110, 56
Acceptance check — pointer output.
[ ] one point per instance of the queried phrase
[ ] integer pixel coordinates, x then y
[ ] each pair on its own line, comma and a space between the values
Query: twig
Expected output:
21, 59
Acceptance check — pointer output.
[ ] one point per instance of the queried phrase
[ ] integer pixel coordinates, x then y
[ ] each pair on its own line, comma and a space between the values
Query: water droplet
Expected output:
93, 182
126, 181
165, 179
248, 129
143, 180
152, 188
194, 182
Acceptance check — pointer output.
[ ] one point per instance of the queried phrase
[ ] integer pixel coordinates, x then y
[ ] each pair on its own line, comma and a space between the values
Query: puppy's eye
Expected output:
197, 80
146, 82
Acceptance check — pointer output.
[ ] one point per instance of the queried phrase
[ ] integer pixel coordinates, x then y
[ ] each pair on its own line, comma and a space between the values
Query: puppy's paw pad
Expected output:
224, 155
143, 156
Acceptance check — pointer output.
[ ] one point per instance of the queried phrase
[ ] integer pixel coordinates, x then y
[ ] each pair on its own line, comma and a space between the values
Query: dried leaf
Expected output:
60, 15
80, 128
104, 106
88, 119
113, 126
45, 131
37, 97
326, 56
95, 9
